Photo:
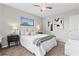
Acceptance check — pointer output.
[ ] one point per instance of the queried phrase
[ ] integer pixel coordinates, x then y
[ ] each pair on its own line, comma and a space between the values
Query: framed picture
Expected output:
26, 21
59, 23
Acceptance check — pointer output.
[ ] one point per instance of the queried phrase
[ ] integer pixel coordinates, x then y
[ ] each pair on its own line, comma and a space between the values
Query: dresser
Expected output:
72, 47
13, 38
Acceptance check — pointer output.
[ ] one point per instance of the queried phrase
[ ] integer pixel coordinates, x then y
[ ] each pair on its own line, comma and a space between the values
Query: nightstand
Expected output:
0, 45
13, 38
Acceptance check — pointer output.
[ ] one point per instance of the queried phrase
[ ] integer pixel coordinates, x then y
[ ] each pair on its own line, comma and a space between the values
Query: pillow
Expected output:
24, 33
33, 33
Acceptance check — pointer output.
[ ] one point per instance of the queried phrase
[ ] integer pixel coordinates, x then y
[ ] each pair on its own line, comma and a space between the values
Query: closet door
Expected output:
74, 25
78, 22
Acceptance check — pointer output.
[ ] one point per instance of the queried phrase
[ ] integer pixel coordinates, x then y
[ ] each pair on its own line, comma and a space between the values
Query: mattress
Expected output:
27, 42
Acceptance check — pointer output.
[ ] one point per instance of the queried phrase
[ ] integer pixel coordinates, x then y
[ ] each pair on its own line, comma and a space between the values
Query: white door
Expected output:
73, 22
74, 25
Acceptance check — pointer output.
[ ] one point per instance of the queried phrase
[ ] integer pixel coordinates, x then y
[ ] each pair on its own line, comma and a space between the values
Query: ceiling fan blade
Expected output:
37, 5
49, 7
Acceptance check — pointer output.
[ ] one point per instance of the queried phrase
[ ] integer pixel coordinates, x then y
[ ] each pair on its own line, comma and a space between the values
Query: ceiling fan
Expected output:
43, 6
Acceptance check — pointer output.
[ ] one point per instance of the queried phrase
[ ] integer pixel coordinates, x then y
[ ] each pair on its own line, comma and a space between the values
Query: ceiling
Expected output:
57, 8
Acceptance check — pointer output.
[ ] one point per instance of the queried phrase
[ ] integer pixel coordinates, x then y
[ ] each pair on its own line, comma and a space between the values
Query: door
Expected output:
74, 25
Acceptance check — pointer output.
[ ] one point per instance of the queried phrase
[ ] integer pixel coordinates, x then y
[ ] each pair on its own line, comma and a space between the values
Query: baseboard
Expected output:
4, 46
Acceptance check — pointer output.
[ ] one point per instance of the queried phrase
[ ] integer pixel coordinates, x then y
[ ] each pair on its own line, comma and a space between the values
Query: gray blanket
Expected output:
38, 41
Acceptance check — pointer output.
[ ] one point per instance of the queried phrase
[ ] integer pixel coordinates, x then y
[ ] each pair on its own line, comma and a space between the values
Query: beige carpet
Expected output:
21, 51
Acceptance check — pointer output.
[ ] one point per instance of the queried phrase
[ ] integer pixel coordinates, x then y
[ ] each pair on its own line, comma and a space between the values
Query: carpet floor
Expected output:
21, 51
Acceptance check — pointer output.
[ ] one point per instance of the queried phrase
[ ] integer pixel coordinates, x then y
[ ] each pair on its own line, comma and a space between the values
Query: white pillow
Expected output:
33, 33
24, 33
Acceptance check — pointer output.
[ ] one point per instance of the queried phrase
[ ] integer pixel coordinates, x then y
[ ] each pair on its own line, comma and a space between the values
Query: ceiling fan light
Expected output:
43, 8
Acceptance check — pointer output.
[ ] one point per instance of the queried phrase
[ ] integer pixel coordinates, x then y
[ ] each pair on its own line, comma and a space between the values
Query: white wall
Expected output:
63, 34
9, 15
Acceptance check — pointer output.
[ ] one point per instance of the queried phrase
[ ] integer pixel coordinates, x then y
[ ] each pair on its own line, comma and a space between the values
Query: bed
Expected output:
27, 42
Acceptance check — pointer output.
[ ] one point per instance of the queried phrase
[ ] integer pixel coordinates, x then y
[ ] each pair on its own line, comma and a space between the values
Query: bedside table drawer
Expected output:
13, 38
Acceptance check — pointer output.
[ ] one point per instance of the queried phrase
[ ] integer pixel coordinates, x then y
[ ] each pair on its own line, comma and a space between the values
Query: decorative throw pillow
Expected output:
33, 33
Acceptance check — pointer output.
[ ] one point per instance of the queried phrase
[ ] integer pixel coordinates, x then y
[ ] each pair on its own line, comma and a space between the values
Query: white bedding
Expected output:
27, 42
